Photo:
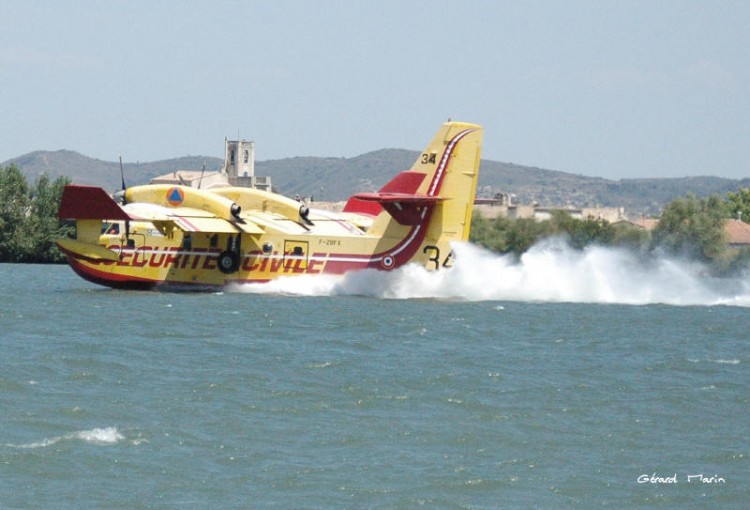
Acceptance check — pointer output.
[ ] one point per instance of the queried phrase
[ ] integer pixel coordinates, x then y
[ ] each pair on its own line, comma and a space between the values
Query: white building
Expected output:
238, 170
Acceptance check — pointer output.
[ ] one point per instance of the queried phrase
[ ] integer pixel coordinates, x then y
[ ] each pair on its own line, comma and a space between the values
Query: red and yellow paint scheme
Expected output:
181, 236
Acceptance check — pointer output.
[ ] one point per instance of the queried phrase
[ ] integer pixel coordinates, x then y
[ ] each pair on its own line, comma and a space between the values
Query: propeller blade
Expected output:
122, 175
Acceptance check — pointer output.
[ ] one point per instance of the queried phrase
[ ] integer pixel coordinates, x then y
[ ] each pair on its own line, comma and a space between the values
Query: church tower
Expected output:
239, 158
239, 165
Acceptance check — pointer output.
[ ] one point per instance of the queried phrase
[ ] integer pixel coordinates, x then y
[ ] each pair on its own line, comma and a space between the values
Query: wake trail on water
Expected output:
550, 271
98, 436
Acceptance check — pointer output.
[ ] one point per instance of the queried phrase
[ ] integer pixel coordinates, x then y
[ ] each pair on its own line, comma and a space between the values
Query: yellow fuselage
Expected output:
181, 236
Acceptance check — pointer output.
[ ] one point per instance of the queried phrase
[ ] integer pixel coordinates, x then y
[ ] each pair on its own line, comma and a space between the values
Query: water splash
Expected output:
551, 271
97, 436
109, 435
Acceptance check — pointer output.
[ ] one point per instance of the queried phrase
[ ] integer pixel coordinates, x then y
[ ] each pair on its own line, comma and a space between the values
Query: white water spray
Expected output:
103, 436
550, 271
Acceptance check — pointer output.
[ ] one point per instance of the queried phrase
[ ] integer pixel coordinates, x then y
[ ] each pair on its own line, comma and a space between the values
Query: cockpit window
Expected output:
111, 228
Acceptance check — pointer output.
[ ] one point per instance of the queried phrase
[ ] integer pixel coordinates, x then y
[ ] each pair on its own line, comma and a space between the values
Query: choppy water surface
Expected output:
567, 380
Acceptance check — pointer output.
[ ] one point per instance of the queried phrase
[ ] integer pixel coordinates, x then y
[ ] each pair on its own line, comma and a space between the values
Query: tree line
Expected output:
688, 226
28, 217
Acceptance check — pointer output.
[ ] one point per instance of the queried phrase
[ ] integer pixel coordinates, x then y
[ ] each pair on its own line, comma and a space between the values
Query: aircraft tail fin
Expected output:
442, 181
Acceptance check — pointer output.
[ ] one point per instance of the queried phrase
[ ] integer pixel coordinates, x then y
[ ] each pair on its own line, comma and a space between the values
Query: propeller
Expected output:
202, 172
120, 195
122, 175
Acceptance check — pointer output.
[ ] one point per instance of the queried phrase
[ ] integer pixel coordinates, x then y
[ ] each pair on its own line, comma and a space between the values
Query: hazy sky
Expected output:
603, 88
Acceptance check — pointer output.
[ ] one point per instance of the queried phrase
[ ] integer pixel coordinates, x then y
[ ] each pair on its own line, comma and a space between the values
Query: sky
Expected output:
615, 89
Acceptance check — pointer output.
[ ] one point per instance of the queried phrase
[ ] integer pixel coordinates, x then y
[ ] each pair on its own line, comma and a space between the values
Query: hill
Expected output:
334, 179
106, 174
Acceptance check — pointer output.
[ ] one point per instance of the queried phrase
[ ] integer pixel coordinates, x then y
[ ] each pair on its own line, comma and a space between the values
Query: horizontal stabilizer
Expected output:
404, 184
89, 203
405, 208
404, 198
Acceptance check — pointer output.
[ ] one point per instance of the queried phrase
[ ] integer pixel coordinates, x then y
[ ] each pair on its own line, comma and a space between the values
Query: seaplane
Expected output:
175, 236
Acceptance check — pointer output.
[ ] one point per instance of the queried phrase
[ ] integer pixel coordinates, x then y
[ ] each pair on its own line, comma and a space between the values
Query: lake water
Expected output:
568, 380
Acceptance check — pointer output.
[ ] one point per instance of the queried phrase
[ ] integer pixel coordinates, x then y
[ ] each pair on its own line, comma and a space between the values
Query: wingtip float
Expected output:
185, 237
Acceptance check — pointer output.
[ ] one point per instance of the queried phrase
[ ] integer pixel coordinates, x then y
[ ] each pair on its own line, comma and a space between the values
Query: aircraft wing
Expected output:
90, 202
188, 219
217, 225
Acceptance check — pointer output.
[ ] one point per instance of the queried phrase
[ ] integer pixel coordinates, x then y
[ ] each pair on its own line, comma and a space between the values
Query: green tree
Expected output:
506, 235
516, 236
14, 204
591, 231
694, 227
738, 204
630, 236
582, 232
43, 226
524, 233
28, 217
490, 233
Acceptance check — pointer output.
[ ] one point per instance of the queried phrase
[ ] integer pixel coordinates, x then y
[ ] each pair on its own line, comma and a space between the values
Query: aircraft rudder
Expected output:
455, 181
444, 176
439, 156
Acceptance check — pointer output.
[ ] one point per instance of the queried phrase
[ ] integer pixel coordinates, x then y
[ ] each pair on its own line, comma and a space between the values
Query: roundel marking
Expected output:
387, 262
175, 196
